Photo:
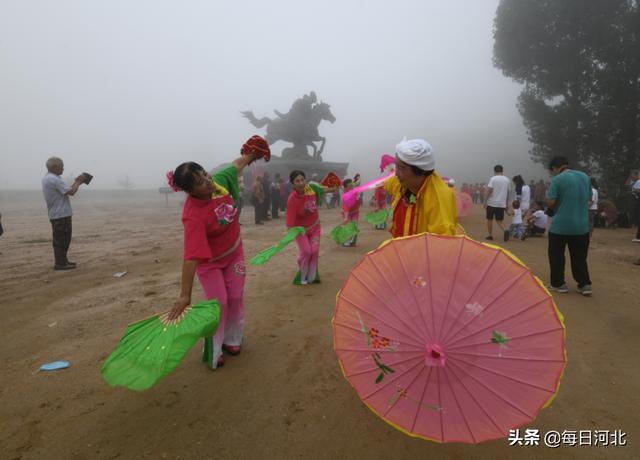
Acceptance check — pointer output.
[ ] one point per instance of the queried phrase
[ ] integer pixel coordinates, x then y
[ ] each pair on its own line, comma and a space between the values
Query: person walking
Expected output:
497, 197
568, 197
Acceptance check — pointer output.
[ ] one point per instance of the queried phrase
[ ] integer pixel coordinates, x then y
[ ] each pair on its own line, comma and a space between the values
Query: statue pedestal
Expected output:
310, 167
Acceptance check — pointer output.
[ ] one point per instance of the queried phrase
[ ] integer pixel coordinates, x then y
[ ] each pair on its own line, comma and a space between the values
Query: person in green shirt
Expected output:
568, 197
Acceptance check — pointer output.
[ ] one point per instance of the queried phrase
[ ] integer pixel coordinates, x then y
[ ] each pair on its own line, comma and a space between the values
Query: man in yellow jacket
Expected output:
422, 202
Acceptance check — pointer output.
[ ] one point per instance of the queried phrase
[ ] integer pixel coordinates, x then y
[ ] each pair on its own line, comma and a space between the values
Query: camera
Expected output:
87, 177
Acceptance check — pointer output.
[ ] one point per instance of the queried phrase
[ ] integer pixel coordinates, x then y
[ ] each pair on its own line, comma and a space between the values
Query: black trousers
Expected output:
267, 204
578, 249
258, 209
275, 206
61, 239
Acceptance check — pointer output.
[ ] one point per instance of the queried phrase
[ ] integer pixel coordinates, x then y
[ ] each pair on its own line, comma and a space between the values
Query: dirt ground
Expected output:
284, 396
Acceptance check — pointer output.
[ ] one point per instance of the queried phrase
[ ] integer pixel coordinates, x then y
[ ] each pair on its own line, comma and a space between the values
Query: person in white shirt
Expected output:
496, 201
537, 221
56, 193
523, 193
517, 227
593, 205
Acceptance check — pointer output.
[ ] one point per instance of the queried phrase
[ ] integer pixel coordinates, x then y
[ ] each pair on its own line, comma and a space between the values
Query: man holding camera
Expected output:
56, 194
568, 199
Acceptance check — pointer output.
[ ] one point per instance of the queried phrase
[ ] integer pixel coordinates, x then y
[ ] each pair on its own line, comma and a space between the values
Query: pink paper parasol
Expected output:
449, 339
464, 203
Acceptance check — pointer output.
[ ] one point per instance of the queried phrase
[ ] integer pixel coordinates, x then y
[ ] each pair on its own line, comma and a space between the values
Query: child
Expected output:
516, 228
350, 213
537, 221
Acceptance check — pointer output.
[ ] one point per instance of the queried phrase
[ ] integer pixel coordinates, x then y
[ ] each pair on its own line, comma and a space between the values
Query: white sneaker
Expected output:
585, 290
304, 282
562, 288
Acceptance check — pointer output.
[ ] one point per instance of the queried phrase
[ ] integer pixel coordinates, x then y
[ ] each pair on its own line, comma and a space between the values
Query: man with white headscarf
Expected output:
422, 201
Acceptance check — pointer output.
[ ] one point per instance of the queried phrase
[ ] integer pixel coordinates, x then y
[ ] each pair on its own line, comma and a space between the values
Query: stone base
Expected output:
310, 167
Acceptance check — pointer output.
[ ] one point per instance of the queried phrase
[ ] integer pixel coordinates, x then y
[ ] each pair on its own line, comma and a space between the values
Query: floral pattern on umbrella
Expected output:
376, 342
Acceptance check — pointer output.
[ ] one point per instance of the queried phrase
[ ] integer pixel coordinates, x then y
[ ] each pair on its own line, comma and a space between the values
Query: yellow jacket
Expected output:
434, 210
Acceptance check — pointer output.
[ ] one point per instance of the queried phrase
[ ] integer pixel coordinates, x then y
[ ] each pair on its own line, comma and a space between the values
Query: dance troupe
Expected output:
420, 202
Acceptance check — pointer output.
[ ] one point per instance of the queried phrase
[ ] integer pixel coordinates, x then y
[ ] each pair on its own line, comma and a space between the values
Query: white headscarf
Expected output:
416, 152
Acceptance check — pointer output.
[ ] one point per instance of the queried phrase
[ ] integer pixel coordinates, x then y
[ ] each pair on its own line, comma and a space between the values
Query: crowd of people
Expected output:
477, 191
418, 199
269, 197
213, 244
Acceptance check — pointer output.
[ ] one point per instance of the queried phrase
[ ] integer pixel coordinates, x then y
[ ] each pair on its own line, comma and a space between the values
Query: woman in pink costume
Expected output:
213, 249
350, 213
302, 211
379, 203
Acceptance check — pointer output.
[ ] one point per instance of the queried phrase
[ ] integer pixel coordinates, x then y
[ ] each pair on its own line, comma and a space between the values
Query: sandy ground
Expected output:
284, 397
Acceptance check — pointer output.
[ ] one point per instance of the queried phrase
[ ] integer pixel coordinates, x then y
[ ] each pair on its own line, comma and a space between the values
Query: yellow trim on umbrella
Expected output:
559, 315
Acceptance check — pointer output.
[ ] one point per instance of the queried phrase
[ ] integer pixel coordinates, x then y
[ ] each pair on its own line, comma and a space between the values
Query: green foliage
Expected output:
579, 61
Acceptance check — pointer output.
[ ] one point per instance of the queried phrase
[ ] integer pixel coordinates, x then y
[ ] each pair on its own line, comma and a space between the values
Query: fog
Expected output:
125, 88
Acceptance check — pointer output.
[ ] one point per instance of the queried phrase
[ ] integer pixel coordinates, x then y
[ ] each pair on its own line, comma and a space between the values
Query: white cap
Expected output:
416, 152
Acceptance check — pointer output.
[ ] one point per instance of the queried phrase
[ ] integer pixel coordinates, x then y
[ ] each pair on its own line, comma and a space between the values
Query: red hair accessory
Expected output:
258, 145
172, 183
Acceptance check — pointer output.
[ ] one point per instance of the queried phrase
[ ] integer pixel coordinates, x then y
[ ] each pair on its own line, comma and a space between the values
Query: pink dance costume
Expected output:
212, 237
302, 211
379, 203
351, 213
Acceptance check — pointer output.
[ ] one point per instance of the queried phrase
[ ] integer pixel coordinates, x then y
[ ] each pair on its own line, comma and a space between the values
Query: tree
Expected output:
579, 62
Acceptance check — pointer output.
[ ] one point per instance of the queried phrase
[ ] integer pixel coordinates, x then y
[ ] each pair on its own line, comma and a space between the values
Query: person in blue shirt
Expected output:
568, 197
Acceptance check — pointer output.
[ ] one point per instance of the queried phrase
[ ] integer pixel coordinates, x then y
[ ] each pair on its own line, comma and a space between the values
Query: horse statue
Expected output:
299, 126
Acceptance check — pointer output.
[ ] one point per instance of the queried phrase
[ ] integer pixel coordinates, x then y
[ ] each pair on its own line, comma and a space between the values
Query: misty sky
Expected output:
133, 88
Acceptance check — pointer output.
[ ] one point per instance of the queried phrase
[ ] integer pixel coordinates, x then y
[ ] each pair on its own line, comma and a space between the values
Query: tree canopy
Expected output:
579, 62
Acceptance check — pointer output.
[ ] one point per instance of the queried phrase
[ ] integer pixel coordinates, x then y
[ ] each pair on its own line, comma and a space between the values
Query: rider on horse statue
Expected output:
298, 126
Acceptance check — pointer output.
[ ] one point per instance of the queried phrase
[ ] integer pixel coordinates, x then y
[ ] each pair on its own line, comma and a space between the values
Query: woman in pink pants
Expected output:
350, 213
302, 211
213, 249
